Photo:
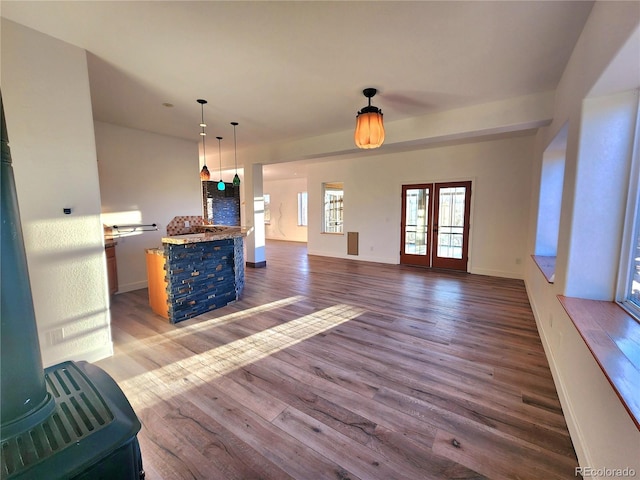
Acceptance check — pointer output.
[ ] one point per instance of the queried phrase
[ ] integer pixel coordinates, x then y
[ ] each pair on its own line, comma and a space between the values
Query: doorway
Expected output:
435, 225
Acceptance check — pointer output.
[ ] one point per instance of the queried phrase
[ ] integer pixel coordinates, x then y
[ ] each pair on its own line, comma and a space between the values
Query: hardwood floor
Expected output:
339, 369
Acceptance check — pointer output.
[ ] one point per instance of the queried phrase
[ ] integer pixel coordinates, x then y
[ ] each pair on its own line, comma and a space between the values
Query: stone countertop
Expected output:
215, 232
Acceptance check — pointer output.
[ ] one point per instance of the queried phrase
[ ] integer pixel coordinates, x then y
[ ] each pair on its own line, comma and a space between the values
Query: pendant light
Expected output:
369, 126
221, 185
204, 173
236, 178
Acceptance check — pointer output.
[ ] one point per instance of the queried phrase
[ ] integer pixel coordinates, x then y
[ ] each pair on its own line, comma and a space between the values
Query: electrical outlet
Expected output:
518, 261
187, 223
56, 336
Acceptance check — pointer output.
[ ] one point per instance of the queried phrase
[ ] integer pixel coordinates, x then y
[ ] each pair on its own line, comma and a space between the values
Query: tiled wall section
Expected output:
176, 226
226, 211
203, 276
238, 257
221, 207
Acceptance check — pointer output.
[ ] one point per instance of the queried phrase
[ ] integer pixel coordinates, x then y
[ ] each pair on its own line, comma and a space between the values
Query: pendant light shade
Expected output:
236, 178
204, 173
221, 185
369, 125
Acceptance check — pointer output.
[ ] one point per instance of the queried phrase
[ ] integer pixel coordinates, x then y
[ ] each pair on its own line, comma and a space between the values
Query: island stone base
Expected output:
203, 276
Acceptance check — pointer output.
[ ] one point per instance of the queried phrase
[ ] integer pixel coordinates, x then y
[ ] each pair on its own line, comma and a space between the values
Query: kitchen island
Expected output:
197, 272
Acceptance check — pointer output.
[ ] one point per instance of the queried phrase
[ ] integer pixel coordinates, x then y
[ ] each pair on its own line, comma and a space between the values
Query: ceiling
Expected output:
291, 70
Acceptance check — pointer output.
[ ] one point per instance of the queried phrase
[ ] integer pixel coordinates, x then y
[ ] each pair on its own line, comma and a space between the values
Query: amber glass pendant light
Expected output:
204, 173
369, 125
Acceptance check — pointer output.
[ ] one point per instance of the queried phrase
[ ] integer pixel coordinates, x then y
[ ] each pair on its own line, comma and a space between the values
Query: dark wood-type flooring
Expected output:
339, 369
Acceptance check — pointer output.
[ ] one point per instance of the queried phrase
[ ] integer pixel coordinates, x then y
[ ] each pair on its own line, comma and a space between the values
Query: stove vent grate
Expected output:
79, 411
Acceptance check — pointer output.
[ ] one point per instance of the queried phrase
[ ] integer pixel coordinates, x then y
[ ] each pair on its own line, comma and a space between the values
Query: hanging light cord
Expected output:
235, 146
204, 148
204, 135
236, 178
220, 156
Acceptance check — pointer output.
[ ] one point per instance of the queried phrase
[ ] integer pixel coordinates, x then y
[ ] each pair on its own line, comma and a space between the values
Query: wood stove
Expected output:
68, 421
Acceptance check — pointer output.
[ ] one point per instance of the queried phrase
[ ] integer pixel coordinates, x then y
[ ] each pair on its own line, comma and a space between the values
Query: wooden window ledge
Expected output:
547, 266
613, 337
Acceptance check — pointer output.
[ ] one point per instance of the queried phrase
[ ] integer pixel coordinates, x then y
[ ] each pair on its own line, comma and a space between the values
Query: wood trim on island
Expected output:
156, 281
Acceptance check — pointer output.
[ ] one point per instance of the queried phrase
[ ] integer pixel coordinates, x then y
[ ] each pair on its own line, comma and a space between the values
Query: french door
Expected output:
435, 225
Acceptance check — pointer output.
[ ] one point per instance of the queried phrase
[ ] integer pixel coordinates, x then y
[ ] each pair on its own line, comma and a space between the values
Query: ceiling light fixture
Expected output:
221, 185
236, 179
204, 173
369, 126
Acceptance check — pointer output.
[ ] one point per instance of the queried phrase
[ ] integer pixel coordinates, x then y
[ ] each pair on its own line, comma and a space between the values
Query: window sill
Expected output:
547, 266
613, 337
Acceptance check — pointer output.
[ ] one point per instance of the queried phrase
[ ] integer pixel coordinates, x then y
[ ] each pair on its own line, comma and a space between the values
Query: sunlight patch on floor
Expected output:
182, 375
205, 324
200, 324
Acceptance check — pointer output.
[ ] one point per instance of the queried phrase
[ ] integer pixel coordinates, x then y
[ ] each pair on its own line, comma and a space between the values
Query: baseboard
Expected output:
283, 239
91, 356
361, 258
99, 354
130, 287
261, 264
577, 437
497, 273
395, 261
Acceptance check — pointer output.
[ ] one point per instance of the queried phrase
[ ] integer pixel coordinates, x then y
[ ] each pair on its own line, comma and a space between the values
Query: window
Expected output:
629, 280
267, 208
550, 202
302, 209
551, 185
333, 207
632, 290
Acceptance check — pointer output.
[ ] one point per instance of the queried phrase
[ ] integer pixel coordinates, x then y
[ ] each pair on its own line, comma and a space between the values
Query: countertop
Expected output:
212, 233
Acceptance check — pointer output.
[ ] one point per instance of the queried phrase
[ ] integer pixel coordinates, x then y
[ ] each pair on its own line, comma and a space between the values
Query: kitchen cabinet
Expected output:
112, 267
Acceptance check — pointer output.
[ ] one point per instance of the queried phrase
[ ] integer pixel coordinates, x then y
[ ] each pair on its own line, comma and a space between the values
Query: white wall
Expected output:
284, 210
600, 196
144, 179
551, 183
499, 170
602, 431
45, 88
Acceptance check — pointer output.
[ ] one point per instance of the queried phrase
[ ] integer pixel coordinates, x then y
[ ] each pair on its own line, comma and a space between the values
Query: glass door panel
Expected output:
416, 206
451, 231
451, 222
